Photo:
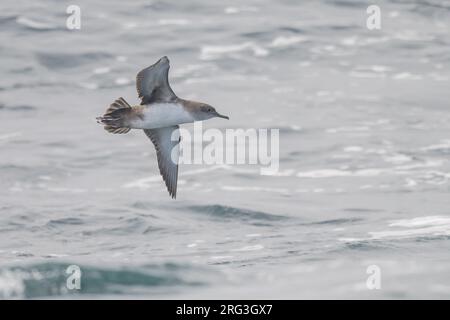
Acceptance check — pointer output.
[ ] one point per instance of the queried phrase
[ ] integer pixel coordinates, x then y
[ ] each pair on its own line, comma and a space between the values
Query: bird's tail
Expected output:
115, 116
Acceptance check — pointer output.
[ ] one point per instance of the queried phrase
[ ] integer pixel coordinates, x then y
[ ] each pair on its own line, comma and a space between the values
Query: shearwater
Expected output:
159, 115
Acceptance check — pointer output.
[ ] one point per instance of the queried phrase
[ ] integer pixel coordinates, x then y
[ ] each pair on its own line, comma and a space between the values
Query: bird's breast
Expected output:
157, 115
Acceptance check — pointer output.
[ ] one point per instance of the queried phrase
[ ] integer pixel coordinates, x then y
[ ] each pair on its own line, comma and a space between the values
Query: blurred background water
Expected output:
364, 151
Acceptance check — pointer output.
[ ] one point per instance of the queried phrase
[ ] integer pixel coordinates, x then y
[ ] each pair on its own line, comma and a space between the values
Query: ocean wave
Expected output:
287, 41
50, 280
122, 227
215, 52
227, 213
345, 221
255, 189
441, 148
6, 18
66, 221
70, 60
20, 107
9, 136
419, 228
147, 182
34, 24
332, 173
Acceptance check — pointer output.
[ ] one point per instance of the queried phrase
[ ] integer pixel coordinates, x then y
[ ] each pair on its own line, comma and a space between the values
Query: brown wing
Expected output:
152, 83
166, 141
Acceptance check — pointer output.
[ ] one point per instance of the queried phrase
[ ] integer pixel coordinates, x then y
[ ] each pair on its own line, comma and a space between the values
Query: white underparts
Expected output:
159, 115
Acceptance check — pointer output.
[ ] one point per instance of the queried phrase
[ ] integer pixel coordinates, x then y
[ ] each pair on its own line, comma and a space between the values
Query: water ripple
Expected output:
227, 212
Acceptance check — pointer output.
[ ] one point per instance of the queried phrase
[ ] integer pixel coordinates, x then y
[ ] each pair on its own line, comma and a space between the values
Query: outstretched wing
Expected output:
166, 141
152, 83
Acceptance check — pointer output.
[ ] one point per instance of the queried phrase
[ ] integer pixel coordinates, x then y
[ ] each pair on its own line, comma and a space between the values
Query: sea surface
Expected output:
363, 185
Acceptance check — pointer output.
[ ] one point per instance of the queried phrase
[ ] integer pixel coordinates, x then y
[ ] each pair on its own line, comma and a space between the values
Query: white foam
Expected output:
253, 235
122, 81
433, 230
373, 68
8, 136
187, 70
284, 41
221, 257
348, 129
57, 255
282, 173
435, 177
398, 159
234, 10
393, 14
323, 173
121, 58
130, 25
12, 284
305, 64
351, 41
33, 24
231, 10
88, 85
101, 70
443, 145
67, 190
410, 183
422, 221
263, 189
438, 77
217, 52
426, 164
251, 248
406, 76
409, 228
176, 22
283, 90
413, 35
332, 173
353, 149
362, 74
350, 239
373, 172
363, 41
145, 183
379, 68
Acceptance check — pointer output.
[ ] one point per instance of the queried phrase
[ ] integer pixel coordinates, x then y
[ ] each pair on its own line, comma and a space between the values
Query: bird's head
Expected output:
205, 111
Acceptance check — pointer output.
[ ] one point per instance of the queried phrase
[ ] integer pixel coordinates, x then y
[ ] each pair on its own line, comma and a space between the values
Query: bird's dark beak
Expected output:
222, 116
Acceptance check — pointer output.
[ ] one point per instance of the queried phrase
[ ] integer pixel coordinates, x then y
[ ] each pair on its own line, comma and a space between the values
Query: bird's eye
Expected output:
209, 109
